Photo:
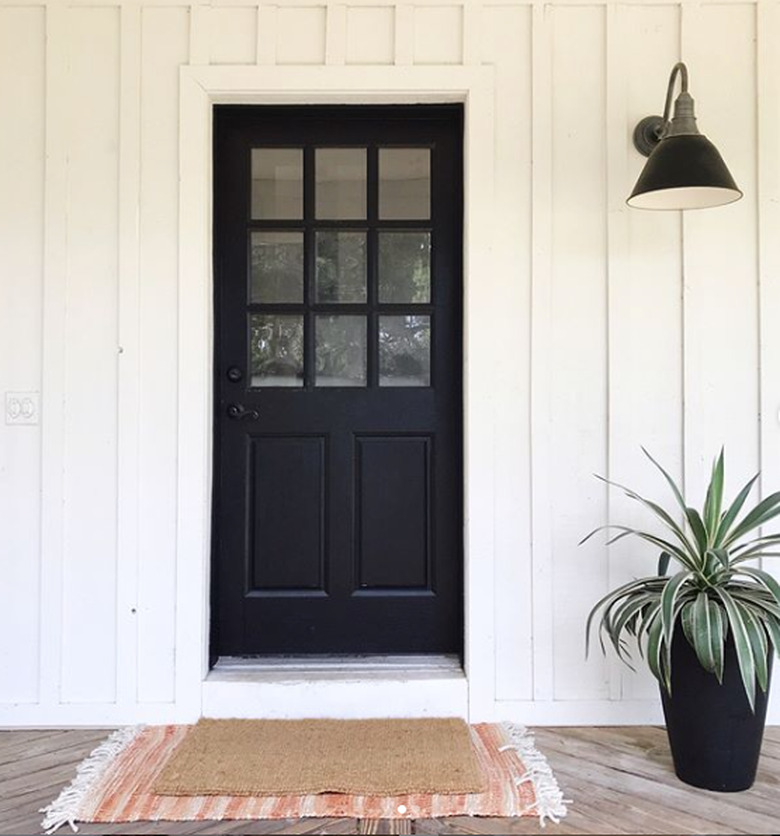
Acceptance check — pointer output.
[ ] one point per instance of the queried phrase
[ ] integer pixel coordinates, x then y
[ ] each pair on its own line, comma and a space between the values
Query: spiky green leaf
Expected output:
663, 563
765, 579
723, 556
678, 554
747, 665
655, 635
773, 631
702, 632
718, 638
697, 527
666, 518
668, 599
764, 512
758, 642
756, 543
734, 509
636, 585
714, 499
672, 484
686, 618
630, 610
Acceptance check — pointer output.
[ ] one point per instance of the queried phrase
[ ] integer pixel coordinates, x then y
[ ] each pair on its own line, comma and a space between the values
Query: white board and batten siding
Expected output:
610, 328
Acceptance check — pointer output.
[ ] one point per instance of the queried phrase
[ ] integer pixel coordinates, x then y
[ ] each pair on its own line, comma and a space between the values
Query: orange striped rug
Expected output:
114, 784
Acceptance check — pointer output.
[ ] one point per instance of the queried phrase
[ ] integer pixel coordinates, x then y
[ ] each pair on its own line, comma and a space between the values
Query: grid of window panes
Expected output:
339, 267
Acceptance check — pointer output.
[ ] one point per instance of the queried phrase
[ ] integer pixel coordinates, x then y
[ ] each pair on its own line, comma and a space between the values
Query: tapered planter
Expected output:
714, 736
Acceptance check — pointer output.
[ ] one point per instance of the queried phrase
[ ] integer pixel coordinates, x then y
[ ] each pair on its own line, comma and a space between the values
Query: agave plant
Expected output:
715, 592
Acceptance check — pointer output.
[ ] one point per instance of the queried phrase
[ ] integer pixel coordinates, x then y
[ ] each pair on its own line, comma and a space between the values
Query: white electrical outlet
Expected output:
22, 407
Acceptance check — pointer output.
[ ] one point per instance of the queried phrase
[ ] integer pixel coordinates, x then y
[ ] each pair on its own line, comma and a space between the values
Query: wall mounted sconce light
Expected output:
684, 169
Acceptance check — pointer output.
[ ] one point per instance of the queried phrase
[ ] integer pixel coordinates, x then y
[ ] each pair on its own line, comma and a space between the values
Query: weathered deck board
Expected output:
619, 779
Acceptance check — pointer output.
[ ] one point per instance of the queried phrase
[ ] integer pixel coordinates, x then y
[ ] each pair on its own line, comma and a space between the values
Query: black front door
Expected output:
338, 464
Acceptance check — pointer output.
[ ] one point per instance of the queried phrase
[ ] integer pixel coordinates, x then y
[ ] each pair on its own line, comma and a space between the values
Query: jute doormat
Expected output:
115, 784
303, 757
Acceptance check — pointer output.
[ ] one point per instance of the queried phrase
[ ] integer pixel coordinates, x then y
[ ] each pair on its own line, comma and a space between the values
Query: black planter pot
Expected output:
714, 736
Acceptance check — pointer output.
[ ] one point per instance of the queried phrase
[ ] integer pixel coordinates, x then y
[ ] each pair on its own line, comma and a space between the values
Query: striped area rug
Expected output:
114, 784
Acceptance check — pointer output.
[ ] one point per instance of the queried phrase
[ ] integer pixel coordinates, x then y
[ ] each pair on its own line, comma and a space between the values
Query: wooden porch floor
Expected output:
619, 780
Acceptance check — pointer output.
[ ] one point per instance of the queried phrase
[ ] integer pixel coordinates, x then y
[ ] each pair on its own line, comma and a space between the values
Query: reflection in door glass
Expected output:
277, 184
276, 349
404, 184
404, 351
341, 351
340, 187
341, 266
276, 267
404, 266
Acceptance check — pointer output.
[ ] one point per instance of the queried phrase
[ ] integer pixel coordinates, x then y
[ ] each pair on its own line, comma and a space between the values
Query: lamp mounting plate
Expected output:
647, 134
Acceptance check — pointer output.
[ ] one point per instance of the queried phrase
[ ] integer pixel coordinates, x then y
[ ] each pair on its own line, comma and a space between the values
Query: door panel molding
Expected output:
372, 552
302, 522
200, 89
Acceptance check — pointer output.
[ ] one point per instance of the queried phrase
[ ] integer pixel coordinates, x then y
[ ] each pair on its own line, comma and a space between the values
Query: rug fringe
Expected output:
550, 803
65, 808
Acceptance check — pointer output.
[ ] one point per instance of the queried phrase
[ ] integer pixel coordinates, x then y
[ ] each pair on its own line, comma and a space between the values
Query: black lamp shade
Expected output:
684, 172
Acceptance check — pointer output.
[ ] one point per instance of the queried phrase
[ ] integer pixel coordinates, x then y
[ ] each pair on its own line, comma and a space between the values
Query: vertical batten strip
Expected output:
683, 476
472, 33
128, 362
689, 14
620, 403
200, 34
507, 47
482, 292
404, 34
194, 395
53, 377
541, 321
768, 179
267, 23
335, 33
22, 149
721, 257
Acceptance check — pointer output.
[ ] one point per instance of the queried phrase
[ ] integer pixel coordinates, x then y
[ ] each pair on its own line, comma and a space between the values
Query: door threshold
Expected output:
335, 666
349, 687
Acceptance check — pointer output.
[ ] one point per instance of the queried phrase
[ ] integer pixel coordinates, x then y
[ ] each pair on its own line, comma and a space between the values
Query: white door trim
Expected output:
201, 88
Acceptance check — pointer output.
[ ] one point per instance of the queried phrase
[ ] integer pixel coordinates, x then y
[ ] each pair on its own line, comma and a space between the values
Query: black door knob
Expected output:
234, 374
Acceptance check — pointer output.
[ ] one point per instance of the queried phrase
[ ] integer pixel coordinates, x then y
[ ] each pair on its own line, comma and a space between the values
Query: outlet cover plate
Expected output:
22, 408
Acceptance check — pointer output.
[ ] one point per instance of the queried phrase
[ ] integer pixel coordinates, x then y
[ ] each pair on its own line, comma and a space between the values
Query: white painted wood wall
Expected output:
616, 328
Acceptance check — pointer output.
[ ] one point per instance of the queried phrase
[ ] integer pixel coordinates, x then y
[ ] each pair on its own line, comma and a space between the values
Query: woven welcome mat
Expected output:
121, 781
309, 757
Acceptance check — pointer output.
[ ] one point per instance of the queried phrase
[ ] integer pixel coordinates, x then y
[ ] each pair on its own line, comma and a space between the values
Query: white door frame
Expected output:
200, 89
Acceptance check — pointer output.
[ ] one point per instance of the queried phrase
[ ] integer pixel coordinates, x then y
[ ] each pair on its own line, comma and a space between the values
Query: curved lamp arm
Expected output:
678, 69
652, 129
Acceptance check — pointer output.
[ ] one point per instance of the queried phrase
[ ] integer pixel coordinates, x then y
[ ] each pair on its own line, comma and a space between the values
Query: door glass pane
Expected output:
341, 266
277, 184
404, 266
276, 349
341, 351
404, 351
276, 267
404, 183
340, 189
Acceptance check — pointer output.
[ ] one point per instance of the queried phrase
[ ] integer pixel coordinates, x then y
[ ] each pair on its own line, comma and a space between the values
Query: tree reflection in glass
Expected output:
341, 350
405, 267
404, 351
341, 266
276, 349
276, 266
